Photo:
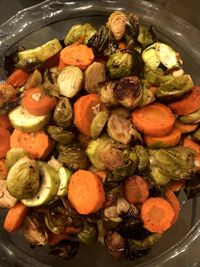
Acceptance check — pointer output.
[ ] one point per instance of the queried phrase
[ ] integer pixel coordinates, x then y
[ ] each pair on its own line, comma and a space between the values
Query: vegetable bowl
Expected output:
51, 20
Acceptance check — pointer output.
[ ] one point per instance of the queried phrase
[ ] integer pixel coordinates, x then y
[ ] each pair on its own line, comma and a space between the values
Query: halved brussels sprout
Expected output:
117, 24
23, 178
60, 135
94, 75
143, 157
128, 92
34, 80
6, 200
106, 93
70, 81
63, 114
147, 97
196, 135
74, 158
191, 118
98, 123
55, 163
13, 155
110, 214
79, 33
122, 112
49, 83
88, 234
145, 37
155, 77
115, 244
99, 40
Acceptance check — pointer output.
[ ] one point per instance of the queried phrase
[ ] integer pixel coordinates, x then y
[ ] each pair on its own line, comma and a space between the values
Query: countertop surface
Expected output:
190, 11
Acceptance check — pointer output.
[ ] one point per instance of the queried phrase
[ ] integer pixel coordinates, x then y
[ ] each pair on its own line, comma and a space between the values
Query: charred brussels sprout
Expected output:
173, 163
63, 114
79, 32
65, 249
128, 92
196, 135
106, 93
191, 118
174, 88
143, 157
60, 135
34, 80
115, 244
23, 178
50, 81
88, 234
117, 24
74, 158
99, 40
133, 24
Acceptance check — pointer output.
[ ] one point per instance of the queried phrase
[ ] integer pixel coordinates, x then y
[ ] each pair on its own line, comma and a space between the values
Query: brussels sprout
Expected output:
133, 24
94, 75
106, 93
156, 77
196, 135
119, 129
122, 112
147, 97
60, 135
174, 88
49, 84
65, 249
6, 200
31, 59
144, 37
115, 244
191, 118
74, 158
123, 206
117, 24
143, 157
70, 81
99, 40
13, 155
110, 214
98, 123
88, 234
128, 92
8, 98
63, 114
34, 80
79, 32
112, 157
120, 64
23, 178
172, 163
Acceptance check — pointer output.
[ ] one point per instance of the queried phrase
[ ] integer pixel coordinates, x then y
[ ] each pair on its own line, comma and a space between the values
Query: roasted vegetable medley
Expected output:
98, 135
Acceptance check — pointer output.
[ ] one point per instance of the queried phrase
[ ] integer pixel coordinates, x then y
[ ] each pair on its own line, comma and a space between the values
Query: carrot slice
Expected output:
4, 121
3, 170
173, 200
84, 112
188, 104
37, 103
185, 128
15, 217
86, 192
17, 78
77, 55
4, 142
136, 189
157, 214
187, 142
170, 140
37, 144
153, 89
154, 120
176, 186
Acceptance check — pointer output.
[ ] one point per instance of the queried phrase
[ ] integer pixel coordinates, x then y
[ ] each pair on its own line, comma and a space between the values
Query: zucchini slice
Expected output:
48, 188
21, 119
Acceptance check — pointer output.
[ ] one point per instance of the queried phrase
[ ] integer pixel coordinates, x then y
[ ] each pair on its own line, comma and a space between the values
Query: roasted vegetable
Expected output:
63, 114
128, 92
117, 24
115, 244
98, 123
111, 215
34, 80
74, 158
94, 74
49, 83
64, 175
143, 158
156, 77
61, 135
79, 33
147, 97
88, 234
23, 178
196, 135
65, 249
106, 93
13, 155
133, 24
70, 81
145, 37
9, 98
174, 88
99, 40
6, 200
191, 118
171, 164
33, 58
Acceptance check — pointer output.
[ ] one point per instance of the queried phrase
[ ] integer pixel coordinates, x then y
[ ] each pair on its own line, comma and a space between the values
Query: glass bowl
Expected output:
52, 18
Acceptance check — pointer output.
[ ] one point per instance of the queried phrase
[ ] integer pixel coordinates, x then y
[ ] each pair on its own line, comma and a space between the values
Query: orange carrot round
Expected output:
185, 128
188, 104
84, 112
4, 121
17, 78
76, 55
15, 217
157, 214
86, 192
135, 189
154, 120
37, 103
4, 142
37, 144
170, 140
187, 142
3, 170
173, 200
176, 186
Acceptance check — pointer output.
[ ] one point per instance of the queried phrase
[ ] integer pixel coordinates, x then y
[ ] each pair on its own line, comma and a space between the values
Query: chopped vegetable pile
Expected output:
98, 135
